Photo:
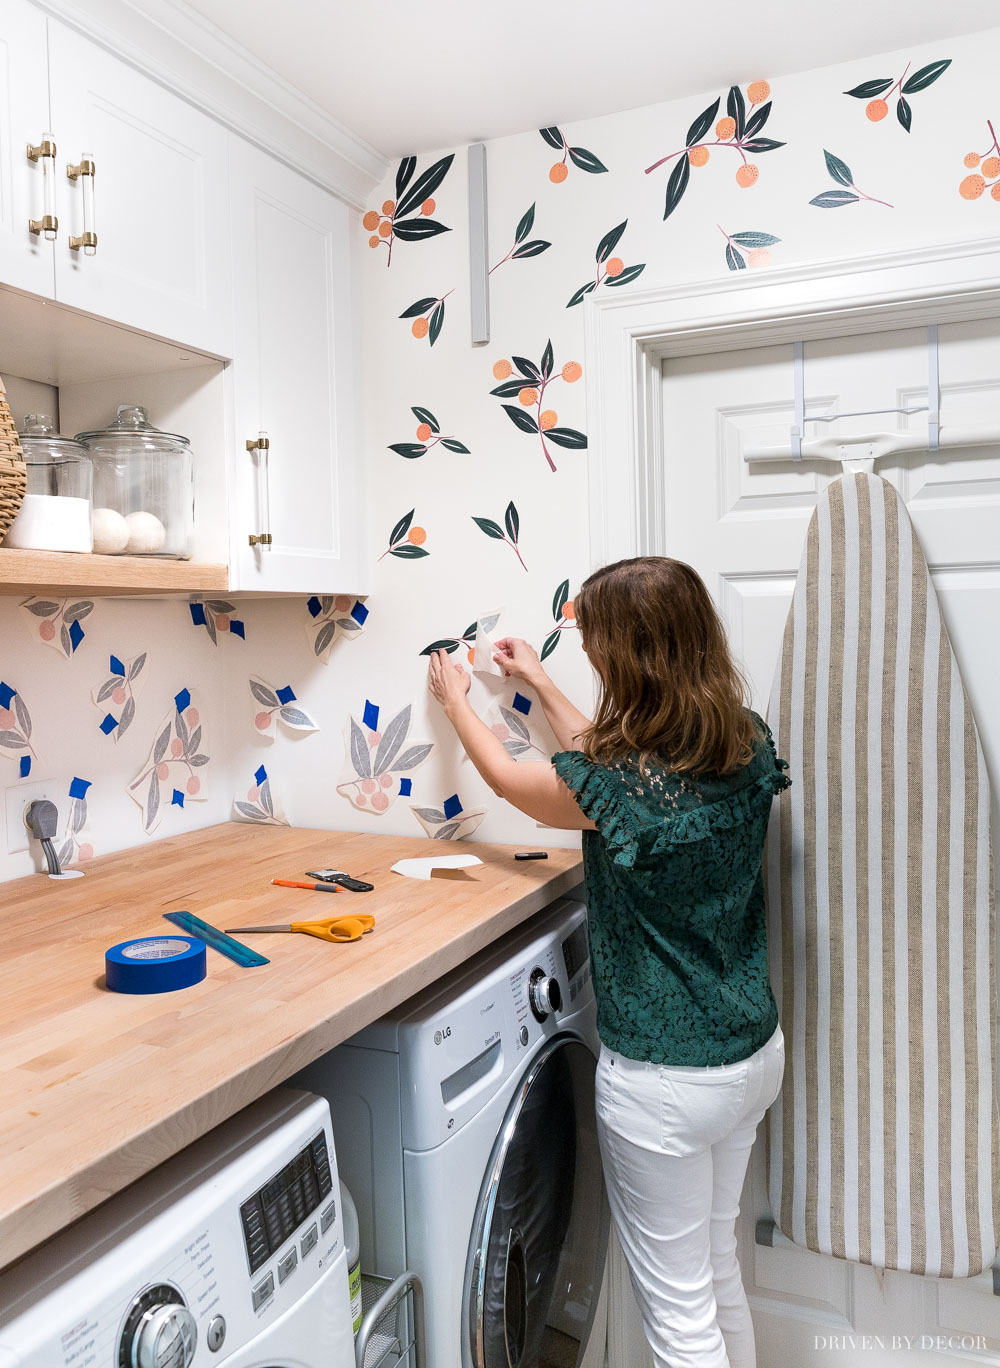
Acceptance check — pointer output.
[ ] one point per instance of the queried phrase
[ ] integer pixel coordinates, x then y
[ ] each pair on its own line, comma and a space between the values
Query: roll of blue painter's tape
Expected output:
154, 964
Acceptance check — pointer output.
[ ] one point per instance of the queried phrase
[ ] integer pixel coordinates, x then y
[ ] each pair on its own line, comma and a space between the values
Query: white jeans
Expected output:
675, 1144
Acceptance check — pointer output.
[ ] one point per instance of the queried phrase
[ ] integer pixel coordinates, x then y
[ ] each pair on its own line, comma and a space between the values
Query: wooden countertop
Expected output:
96, 1088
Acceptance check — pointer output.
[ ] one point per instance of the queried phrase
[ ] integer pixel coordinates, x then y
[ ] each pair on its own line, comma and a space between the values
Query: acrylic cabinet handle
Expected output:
44, 155
262, 447
85, 172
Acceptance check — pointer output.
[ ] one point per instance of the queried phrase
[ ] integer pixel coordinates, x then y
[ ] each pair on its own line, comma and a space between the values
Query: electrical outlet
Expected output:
18, 798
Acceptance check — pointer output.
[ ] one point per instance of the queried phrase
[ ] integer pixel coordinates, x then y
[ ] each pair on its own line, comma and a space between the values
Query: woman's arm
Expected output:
534, 789
519, 659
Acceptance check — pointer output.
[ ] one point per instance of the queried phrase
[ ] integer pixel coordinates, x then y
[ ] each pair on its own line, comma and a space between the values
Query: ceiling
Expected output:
411, 76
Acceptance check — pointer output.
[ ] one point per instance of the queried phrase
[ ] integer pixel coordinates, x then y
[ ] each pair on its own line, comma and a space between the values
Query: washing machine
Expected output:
230, 1255
465, 1129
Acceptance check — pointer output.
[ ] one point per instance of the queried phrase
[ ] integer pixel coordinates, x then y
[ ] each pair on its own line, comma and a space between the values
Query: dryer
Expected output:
465, 1130
230, 1255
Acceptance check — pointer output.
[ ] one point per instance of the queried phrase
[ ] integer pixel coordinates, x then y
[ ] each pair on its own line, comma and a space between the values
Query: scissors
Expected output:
331, 929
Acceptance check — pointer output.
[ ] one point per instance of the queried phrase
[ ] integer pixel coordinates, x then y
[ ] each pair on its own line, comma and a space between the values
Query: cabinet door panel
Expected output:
161, 199
26, 261
292, 377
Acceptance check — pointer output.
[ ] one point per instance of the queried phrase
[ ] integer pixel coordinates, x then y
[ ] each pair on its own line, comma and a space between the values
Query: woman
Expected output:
672, 785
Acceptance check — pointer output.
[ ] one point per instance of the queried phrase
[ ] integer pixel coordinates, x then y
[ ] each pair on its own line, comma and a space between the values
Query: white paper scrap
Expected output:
424, 868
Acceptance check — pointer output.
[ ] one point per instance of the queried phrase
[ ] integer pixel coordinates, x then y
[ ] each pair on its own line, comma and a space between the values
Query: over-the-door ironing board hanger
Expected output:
859, 452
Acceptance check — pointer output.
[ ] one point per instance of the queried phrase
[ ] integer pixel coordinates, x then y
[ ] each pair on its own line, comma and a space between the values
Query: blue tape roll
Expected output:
154, 964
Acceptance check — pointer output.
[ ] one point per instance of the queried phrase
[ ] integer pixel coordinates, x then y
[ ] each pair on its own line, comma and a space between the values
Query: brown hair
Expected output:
669, 687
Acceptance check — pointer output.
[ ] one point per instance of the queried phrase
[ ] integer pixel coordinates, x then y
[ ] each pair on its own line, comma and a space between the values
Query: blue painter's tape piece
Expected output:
521, 704
78, 788
169, 962
451, 806
197, 614
405, 788
259, 775
182, 700
370, 717
359, 612
237, 628
178, 799
117, 668
25, 766
109, 724
76, 633
6, 694
285, 695
314, 606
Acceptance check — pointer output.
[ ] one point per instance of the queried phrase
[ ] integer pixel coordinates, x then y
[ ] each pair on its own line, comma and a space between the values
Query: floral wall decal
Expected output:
408, 217
512, 524
756, 245
268, 704
428, 427
116, 696
259, 804
737, 130
529, 385
405, 541
988, 175
216, 615
15, 730
431, 325
611, 270
56, 622
449, 822
579, 156
168, 778
331, 616
563, 615
468, 637
509, 723
522, 248
880, 91
836, 199
73, 850
380, 759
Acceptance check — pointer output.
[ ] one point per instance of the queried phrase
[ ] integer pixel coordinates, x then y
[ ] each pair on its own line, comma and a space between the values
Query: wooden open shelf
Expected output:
61, 572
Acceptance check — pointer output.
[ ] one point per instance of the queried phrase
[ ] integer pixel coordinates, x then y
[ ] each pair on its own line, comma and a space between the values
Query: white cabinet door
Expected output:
292, 380
26, 260
160, 193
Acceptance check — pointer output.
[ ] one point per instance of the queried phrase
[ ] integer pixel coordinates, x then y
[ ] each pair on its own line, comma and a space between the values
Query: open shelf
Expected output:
62, 572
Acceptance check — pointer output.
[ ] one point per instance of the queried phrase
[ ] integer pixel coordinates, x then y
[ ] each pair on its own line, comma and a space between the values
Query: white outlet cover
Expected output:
17, 798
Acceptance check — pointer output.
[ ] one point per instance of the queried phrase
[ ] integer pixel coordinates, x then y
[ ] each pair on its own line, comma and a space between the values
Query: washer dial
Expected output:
159, 1331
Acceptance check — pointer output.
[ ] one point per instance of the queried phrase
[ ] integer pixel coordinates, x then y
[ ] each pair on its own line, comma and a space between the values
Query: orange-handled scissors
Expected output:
348, 928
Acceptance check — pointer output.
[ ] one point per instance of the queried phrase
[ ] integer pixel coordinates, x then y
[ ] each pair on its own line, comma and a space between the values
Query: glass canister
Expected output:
143, 488
56, 512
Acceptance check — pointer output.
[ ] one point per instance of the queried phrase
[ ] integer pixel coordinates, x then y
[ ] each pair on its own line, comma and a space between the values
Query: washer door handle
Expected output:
515, 1299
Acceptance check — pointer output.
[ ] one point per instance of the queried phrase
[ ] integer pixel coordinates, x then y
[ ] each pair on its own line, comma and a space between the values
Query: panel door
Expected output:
292, 380
26, 259
743, 527
160, 199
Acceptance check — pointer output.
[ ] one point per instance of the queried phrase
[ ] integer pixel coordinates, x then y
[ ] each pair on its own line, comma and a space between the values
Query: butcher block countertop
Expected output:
96, 1088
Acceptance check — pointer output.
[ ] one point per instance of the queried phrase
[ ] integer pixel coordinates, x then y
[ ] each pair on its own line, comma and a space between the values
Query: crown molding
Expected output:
189, 55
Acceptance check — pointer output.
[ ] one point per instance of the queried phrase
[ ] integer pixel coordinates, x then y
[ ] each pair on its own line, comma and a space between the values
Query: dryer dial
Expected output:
159, 1331
544, 994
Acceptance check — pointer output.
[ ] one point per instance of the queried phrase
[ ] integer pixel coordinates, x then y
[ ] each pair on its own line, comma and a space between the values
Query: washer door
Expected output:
540, 1236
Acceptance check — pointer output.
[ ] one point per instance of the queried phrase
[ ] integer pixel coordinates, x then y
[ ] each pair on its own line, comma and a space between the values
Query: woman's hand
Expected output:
447, 680
518, 659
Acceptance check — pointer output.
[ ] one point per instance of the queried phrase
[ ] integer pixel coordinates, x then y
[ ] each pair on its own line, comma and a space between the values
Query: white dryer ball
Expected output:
110, 532
146, 534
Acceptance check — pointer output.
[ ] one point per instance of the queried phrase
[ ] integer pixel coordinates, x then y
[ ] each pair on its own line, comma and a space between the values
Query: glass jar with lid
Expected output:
56, 512
143, 488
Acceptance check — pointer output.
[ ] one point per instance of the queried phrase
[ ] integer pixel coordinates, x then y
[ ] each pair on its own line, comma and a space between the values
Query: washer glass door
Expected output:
539, 1240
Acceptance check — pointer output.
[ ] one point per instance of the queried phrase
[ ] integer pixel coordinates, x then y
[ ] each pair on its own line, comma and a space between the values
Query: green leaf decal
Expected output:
586, 161
450, 444
415, 229
867, 90
509, 389
609, 242
627, 276
521, 418
512, 521
404, 174
757, 120
702, 124
677, 184
734, 259
904, 113
530, 249
567, 437
409, 552
926, 76
437, 320
579, 295
527, 368
423, 415
524, 226
736, 108
551, 642
838, 169
448, 644
762, 145
401, 528
420, 307
424, 186
834, 199
553, 137
410, 450
547, 360
491, 528
755, 239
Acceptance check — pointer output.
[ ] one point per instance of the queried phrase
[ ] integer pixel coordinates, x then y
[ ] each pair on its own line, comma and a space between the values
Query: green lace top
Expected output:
675, 893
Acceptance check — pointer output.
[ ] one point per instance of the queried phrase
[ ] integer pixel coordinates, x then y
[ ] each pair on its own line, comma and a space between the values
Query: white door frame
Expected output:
627, 336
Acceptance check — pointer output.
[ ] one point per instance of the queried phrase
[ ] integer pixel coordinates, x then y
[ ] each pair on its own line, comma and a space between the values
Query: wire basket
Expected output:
385, 1337
13, 472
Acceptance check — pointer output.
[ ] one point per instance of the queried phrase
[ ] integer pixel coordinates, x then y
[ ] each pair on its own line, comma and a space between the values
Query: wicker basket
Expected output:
13, 472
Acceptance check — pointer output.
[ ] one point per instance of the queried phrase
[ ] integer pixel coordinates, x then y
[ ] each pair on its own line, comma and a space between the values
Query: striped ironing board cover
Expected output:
883, 1145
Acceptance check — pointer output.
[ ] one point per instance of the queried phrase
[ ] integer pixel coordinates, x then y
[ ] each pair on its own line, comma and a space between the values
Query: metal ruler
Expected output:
218, 940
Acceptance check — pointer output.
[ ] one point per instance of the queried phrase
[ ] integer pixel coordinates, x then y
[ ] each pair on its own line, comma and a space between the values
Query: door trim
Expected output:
627, 337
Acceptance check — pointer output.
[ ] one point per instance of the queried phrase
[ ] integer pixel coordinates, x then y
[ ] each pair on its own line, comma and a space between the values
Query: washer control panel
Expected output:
281, 1205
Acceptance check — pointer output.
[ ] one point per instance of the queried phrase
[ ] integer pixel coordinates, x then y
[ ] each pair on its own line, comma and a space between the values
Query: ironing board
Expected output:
883, 1145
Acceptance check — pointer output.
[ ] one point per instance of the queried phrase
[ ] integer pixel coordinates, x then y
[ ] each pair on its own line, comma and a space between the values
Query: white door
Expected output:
292, 380
160, 195
743, 527
26, 258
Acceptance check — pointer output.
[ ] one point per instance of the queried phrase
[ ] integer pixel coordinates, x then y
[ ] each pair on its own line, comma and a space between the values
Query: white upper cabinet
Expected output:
158, 201
26, 258
292, 376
